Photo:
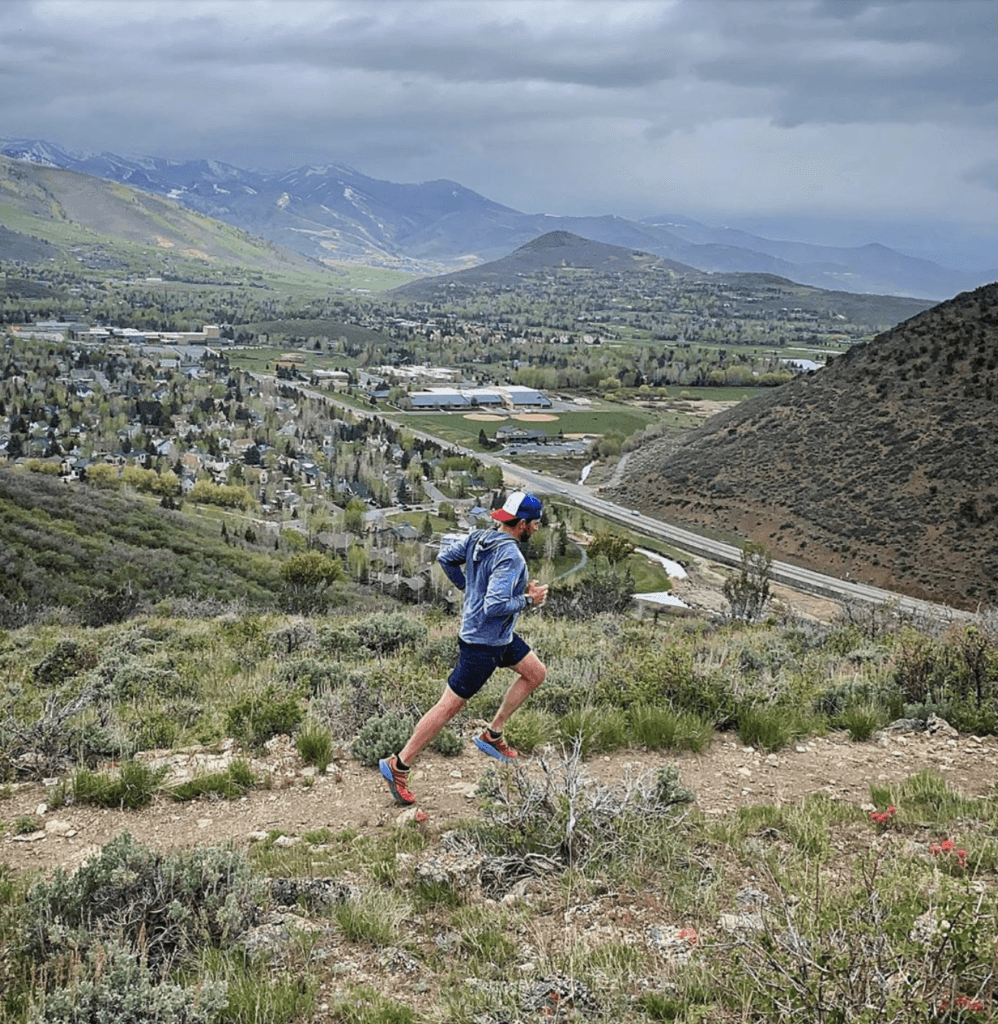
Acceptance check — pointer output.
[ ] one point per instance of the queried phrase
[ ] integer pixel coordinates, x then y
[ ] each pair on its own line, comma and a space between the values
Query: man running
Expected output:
491, 570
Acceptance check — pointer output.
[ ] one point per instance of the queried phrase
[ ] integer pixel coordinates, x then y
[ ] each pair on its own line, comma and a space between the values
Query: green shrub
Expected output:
672, 677
338, 641
236, 781
349, 704
139, 676
257, 718
447, 742
64, 661
748, 593
131, 788
310, 675
159, 730
770, 727
860, 722
659, 1006
246, 634
255, 996
388, 632
118, 986
927, 795
650, 676
437, 892
374, 916
661, 728
595, 729
958, 675
380, 738
25, 825
438, 654
836, 699
488, 939
529, 729
308, 583
105, 606
315, 746
368, 1006
166, 903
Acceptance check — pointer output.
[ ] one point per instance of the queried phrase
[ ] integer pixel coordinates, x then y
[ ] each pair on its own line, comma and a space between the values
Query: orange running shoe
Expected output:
398, 781
497, 748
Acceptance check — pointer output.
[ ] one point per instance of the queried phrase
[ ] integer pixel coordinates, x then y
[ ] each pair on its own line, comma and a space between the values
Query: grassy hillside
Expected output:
553, 888
102, 223
68, 546
560, 265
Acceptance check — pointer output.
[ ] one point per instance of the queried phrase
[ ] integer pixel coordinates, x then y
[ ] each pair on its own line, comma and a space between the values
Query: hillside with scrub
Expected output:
879, 467
711, 820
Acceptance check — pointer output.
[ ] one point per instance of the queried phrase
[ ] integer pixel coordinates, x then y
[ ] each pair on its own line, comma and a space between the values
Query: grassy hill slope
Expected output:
45, 206
883, 466
73, 545
578, 885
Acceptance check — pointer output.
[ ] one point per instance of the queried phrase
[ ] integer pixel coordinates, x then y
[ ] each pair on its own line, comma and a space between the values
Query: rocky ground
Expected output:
351, 796
294, 801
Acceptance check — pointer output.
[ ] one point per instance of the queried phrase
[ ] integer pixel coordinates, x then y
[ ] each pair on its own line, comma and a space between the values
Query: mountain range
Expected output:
46, 211
334, 214
881, 467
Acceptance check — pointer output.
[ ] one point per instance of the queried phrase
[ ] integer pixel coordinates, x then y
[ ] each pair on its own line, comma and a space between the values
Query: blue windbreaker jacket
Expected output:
494, 581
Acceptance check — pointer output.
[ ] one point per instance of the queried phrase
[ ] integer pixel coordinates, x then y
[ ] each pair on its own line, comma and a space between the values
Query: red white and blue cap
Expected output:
519, 505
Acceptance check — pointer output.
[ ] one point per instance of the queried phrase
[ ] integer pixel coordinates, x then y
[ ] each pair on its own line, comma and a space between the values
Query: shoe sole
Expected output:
389, 776
487, 748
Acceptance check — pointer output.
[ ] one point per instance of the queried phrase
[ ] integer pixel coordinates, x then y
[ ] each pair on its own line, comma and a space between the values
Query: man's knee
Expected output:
450, 703
537, 674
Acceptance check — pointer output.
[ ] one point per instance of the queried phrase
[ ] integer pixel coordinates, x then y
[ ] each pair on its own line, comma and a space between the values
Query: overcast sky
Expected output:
827, 120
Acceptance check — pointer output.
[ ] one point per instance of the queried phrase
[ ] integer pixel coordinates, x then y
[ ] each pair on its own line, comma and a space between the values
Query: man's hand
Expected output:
536, 592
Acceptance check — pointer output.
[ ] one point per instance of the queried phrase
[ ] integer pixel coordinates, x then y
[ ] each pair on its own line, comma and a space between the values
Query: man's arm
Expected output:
452, 558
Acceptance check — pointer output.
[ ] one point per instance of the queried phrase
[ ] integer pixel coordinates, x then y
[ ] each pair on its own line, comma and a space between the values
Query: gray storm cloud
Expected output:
847, 110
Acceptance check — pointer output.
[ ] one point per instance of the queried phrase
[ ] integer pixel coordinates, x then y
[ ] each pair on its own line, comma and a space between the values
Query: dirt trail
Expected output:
350, 796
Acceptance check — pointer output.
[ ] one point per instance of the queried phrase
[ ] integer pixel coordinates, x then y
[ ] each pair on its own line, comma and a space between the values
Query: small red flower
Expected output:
962, 1003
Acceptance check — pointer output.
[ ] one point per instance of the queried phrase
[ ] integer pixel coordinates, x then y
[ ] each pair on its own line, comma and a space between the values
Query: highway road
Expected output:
805, 580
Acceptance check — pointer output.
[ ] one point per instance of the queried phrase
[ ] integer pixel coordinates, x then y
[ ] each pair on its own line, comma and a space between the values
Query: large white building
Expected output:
513, 397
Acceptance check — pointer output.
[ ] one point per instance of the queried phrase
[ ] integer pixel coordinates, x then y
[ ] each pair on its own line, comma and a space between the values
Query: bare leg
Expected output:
431, 723
530, 675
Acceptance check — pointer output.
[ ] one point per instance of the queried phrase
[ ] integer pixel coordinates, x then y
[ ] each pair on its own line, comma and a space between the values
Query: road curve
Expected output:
805, 580
793, 576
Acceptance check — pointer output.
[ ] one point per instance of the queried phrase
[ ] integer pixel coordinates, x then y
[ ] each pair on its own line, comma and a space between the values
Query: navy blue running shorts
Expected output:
477, 662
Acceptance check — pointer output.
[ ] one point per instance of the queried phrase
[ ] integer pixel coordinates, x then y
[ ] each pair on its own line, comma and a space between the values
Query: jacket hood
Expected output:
489, 541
